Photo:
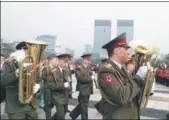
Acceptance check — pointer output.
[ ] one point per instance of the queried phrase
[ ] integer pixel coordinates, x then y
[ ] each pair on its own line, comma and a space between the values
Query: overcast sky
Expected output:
74, 22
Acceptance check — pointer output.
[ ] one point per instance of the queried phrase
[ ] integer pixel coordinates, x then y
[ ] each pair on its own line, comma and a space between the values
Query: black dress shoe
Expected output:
97, 108
68, 111
151, 94
72, 117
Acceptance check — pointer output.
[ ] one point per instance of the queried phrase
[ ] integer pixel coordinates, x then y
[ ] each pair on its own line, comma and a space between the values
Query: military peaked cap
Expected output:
21, 45
86, 55
119, 41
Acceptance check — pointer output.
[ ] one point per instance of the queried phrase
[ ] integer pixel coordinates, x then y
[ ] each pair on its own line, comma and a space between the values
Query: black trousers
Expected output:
98, 107
81, 108
157, 78
24, 116
48, 103
167, 82
60, 112
163, 80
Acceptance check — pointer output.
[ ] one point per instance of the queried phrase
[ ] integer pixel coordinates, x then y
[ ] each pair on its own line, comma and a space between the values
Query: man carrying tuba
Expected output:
10, 79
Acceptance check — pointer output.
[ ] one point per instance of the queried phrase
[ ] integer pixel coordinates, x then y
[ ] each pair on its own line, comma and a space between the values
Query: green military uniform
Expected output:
47, 92
119, 89
59, 98
67, 73
70, 72
98, 104
13, 107
3, 90
85, 88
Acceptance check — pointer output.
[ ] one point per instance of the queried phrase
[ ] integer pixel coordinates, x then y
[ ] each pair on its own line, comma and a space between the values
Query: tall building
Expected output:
88, 48
51, 40
126, 26
61, 48
102, 35
70, 51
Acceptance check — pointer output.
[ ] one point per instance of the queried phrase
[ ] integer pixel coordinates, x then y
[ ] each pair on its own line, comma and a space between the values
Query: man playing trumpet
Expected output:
10, 79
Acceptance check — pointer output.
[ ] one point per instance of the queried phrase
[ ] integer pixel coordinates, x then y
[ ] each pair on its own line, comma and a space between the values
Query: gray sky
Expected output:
73, 23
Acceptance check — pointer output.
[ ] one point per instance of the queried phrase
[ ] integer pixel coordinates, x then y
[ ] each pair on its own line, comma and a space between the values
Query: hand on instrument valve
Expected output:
93, 77
25, 65
71, 67
69, 79
36, 87
142, 72
66, 84
17, 72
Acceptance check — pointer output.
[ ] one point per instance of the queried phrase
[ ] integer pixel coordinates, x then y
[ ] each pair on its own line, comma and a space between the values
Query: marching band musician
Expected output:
58, 85
85, 87
1, 70
71, 71
2, 60
51, 63
118, 88
68, 77
103, 60
13, 107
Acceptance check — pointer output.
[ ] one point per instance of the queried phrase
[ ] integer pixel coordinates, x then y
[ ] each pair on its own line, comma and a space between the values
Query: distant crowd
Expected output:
162, 74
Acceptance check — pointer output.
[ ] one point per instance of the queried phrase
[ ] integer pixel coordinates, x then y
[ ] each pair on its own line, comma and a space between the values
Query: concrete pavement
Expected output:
157, 107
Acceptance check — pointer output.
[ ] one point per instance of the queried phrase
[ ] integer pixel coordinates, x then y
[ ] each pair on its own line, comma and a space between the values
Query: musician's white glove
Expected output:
66, 84
142, 72
17, 72
71, 67
69, 79
25, 65
36, 87
92, 77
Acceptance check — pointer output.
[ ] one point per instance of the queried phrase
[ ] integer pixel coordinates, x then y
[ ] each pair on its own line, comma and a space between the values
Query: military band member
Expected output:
58, 85
2, 60
118, 88
3, 92
71, 71
13, 107
84, 86
68, 78
103, 58
46, 72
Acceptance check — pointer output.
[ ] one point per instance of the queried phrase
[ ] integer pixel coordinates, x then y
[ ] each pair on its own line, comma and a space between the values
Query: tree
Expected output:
164, 59
7, 48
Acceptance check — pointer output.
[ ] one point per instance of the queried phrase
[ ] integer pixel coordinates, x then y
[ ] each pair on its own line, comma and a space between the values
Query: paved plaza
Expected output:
157, 108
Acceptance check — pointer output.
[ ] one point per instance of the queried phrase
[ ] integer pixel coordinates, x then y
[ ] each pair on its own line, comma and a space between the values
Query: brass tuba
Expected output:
28, 76
143, 54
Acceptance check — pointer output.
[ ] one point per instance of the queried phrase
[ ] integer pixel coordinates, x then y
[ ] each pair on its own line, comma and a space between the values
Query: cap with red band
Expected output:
119, 41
